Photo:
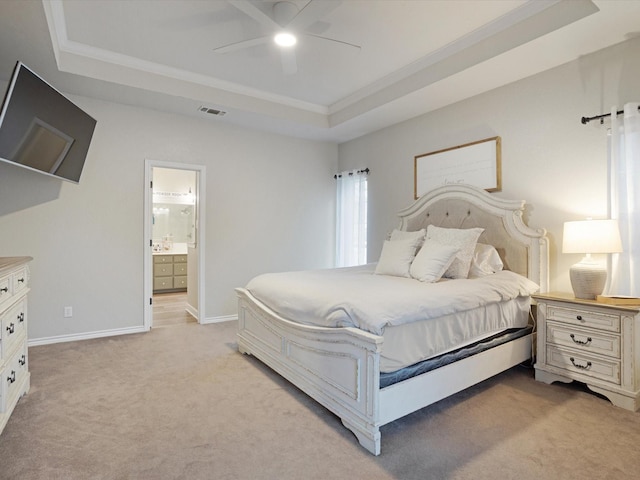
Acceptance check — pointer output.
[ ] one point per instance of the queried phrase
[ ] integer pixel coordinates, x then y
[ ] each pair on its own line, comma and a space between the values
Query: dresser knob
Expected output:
4, 290
12, 378
579, 317
11, 328
23, 360
21, 280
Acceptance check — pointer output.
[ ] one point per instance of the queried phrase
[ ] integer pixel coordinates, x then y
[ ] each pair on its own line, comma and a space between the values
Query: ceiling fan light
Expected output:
285, 39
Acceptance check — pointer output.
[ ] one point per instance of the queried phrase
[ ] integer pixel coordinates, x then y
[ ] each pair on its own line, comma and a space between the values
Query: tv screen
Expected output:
42, 130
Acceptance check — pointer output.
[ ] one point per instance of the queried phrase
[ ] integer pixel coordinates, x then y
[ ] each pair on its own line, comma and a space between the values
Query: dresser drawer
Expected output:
162, 259
586, 318
179, 268
20, 279
588, 340
163, 270
179, 282
584, 364
13, 378
179, 259
162, 283
5, 289
13, 326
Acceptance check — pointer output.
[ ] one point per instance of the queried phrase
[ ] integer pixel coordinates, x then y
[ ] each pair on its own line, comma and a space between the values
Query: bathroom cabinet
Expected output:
169, 273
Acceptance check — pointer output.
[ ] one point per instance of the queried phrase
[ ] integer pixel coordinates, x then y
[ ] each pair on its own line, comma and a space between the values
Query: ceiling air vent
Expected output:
211, 111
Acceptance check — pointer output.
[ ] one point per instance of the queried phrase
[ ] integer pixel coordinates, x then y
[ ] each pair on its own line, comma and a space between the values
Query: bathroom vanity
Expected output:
170, 269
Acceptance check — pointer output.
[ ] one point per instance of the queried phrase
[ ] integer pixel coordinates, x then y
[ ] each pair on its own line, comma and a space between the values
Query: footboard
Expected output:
337, 367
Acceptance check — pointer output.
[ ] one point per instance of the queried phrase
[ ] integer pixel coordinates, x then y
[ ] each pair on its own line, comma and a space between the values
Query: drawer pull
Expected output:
20, 317
4, 290
23, 360
579, 317
21, 280
580, 342
12, 378
11, 328
581, 367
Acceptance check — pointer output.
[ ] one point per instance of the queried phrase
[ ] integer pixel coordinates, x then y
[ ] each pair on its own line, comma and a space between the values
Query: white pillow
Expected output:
432, 261
418, 236
486, 260
464, 239
396, 257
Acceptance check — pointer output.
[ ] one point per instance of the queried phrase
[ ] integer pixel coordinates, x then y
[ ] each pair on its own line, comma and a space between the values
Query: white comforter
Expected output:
356, 297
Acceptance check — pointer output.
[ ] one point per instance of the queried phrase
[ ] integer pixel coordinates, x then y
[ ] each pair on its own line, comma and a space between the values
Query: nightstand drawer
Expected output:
583, 339
585, 318
584, 364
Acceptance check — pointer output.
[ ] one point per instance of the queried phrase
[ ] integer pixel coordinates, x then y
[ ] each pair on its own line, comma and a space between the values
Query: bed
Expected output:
346, 368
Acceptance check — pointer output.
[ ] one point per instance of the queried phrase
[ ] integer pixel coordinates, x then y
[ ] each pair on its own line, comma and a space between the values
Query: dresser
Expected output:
595, 343
14, 364
169, 273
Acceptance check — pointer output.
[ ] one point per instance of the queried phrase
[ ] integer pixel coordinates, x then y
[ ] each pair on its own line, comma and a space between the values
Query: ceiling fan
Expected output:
287, 23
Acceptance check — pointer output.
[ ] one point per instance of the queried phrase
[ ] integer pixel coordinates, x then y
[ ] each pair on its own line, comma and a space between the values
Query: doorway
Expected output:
174, 207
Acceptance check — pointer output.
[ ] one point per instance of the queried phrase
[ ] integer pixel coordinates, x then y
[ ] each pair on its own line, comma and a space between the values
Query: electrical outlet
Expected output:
68, 312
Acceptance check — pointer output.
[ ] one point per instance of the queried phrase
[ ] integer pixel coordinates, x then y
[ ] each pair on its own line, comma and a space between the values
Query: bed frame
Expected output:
340, 367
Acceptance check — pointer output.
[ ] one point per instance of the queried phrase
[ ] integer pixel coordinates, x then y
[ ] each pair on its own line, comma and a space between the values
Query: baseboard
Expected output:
112, 333
84, 336
191, 310
223, 318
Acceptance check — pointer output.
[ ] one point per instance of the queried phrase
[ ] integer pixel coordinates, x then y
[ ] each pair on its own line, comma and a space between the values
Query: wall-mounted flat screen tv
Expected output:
42, 130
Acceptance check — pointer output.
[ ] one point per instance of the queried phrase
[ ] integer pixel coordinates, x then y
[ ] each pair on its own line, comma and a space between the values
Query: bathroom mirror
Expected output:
174, 220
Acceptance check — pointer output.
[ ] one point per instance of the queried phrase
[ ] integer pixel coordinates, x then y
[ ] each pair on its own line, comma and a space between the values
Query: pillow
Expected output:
432, 261
464, 239
396, 257
486, 261
418, 236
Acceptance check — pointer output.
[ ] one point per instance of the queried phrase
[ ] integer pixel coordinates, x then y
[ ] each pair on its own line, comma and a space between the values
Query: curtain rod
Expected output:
366, 170
586, 120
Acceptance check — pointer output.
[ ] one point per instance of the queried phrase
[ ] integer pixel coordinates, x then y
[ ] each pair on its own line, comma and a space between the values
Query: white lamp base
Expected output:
587, 278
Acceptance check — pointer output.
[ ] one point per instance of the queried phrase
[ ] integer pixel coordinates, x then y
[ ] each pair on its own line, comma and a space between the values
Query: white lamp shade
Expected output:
591, 236
588, 277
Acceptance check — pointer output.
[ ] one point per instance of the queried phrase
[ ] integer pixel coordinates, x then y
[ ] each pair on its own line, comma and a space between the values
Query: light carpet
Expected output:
180, 402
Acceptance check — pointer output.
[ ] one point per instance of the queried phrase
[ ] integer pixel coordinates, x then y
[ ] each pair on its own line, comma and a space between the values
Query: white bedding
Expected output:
356, 297
414, 342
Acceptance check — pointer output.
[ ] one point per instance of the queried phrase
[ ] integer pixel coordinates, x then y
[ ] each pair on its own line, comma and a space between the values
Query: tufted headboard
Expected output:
523, 250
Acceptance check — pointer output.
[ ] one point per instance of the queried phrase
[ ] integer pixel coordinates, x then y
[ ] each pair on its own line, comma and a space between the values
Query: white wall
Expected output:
548, 157
270, 207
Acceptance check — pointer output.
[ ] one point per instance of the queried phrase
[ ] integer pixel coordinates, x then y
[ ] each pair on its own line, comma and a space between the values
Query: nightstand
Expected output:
590, 342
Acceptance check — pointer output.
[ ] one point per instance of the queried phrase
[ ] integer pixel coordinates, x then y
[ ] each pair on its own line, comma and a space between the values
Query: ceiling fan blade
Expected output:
254, 12
289, 63
340, 42
312, 12
233, 47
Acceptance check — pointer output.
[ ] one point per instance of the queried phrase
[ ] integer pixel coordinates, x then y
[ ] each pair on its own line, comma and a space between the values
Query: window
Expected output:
351, 218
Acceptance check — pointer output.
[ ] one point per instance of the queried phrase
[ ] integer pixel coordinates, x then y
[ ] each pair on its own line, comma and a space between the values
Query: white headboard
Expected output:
524, 250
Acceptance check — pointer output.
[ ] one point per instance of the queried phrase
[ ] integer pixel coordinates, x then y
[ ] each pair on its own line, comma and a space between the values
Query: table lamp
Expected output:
590, 236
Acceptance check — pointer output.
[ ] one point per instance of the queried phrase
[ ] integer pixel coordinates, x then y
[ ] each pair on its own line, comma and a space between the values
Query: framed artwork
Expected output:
477, 163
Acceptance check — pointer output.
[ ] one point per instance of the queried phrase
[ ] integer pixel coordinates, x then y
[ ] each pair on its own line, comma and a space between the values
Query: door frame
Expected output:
149, 165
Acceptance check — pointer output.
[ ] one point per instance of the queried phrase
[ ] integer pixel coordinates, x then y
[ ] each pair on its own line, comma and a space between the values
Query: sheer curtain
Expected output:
351, 218
624, 172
